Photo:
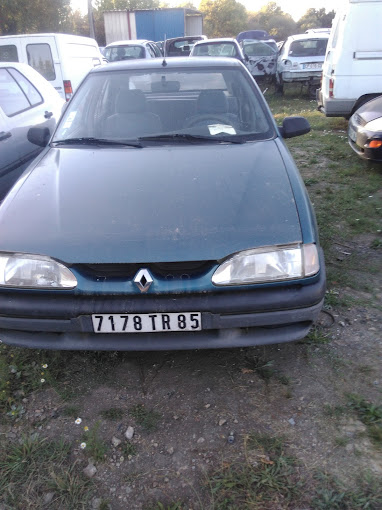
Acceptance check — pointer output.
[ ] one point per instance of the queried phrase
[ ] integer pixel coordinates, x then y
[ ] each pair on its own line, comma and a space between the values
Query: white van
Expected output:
62, 59
352, 71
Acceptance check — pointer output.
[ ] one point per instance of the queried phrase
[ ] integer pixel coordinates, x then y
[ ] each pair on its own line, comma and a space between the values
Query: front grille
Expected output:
160, 270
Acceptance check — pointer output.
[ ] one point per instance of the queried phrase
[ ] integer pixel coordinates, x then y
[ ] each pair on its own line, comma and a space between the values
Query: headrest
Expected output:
131, 101
212, 101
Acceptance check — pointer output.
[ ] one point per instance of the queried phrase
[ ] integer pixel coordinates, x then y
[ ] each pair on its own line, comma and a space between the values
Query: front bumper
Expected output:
359, 138
231, 319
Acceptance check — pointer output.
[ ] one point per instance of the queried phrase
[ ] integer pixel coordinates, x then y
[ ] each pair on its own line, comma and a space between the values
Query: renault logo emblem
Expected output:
143, 280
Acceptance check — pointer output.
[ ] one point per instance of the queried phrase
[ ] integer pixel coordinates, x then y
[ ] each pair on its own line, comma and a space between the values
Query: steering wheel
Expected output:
207, 118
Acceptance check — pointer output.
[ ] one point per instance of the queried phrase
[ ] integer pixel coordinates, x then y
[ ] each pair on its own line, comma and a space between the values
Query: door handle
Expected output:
4, 135
48, 115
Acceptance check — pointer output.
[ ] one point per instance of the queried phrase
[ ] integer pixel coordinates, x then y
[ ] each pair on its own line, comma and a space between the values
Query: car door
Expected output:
21, 107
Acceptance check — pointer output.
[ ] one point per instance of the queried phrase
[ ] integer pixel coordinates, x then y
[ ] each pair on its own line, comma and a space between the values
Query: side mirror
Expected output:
39, 136
246, 57
294, 126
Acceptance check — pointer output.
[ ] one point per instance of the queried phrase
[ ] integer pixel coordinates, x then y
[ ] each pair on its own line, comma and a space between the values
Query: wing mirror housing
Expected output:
39, 136
294, 126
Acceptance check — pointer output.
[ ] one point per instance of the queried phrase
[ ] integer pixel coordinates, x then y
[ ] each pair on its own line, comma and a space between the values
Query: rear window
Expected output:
215, 50
8, 53
260, 49
116, 53
308, 48
40, 58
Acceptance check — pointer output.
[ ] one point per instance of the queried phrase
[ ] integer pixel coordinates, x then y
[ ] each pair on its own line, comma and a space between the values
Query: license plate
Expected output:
146, 322
313, 66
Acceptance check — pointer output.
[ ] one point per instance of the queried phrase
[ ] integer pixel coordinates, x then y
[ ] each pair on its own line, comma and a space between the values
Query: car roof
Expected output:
304, 37
128, 42
173, 62
220, 39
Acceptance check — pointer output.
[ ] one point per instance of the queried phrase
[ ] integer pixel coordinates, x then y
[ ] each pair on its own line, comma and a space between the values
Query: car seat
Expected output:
132, 118
211, 106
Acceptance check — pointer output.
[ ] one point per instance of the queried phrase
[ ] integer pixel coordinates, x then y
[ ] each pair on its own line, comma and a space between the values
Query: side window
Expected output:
8, 53
29, 90
40, 58
12, 98
150, 50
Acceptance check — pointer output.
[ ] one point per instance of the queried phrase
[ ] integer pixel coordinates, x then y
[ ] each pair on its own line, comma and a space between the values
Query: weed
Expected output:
147, 419
268, 444
336, 411
70, 411
34, 466
172, 506
316, 336
341, 441
330, 494
129, 449
95, 446
376, 243
370, 414
263, 369
114, 413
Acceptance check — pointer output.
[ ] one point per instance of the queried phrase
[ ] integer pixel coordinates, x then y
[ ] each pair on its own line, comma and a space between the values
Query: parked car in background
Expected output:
127, 50
262, 56
181, 46
352, 71
223, 47
300, 60
62, 59
318, 31
365, 130
112, 244
252, 34
26, 100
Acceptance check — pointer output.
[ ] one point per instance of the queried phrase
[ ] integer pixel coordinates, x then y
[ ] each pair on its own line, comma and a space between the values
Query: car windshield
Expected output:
116, 53
203, 102
217, 49
308, 48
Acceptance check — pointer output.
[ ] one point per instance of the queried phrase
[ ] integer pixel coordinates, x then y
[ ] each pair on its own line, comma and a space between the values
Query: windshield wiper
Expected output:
97, 141
190, 138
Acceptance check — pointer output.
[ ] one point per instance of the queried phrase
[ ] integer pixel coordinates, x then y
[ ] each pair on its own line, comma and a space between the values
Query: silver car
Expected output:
26, 100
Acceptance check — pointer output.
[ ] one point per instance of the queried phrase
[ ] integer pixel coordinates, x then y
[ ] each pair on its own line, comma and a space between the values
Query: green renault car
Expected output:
165, 212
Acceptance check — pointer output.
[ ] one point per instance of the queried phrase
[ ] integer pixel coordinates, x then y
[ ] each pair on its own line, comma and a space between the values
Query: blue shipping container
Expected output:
156, 24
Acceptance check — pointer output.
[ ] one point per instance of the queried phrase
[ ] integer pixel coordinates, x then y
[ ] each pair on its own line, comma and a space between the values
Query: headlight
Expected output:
268, 264
34, 271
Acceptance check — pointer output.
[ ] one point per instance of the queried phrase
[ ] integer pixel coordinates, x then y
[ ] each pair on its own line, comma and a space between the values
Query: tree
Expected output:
32, 16
271, 18
315, 18
223, 17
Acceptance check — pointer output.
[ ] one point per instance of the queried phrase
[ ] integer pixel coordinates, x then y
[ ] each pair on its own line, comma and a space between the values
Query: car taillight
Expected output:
331, 87
68, 89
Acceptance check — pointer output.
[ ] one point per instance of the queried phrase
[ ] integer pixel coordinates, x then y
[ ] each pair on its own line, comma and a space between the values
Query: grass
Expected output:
317, 336
96, 448
147, 418
34, 467
113, 414
370, 414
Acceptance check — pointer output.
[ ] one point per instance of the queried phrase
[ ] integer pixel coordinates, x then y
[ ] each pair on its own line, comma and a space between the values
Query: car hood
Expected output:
371, 110
161, 203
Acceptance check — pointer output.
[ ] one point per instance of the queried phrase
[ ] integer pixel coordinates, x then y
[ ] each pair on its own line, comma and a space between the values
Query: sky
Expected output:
296, 8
